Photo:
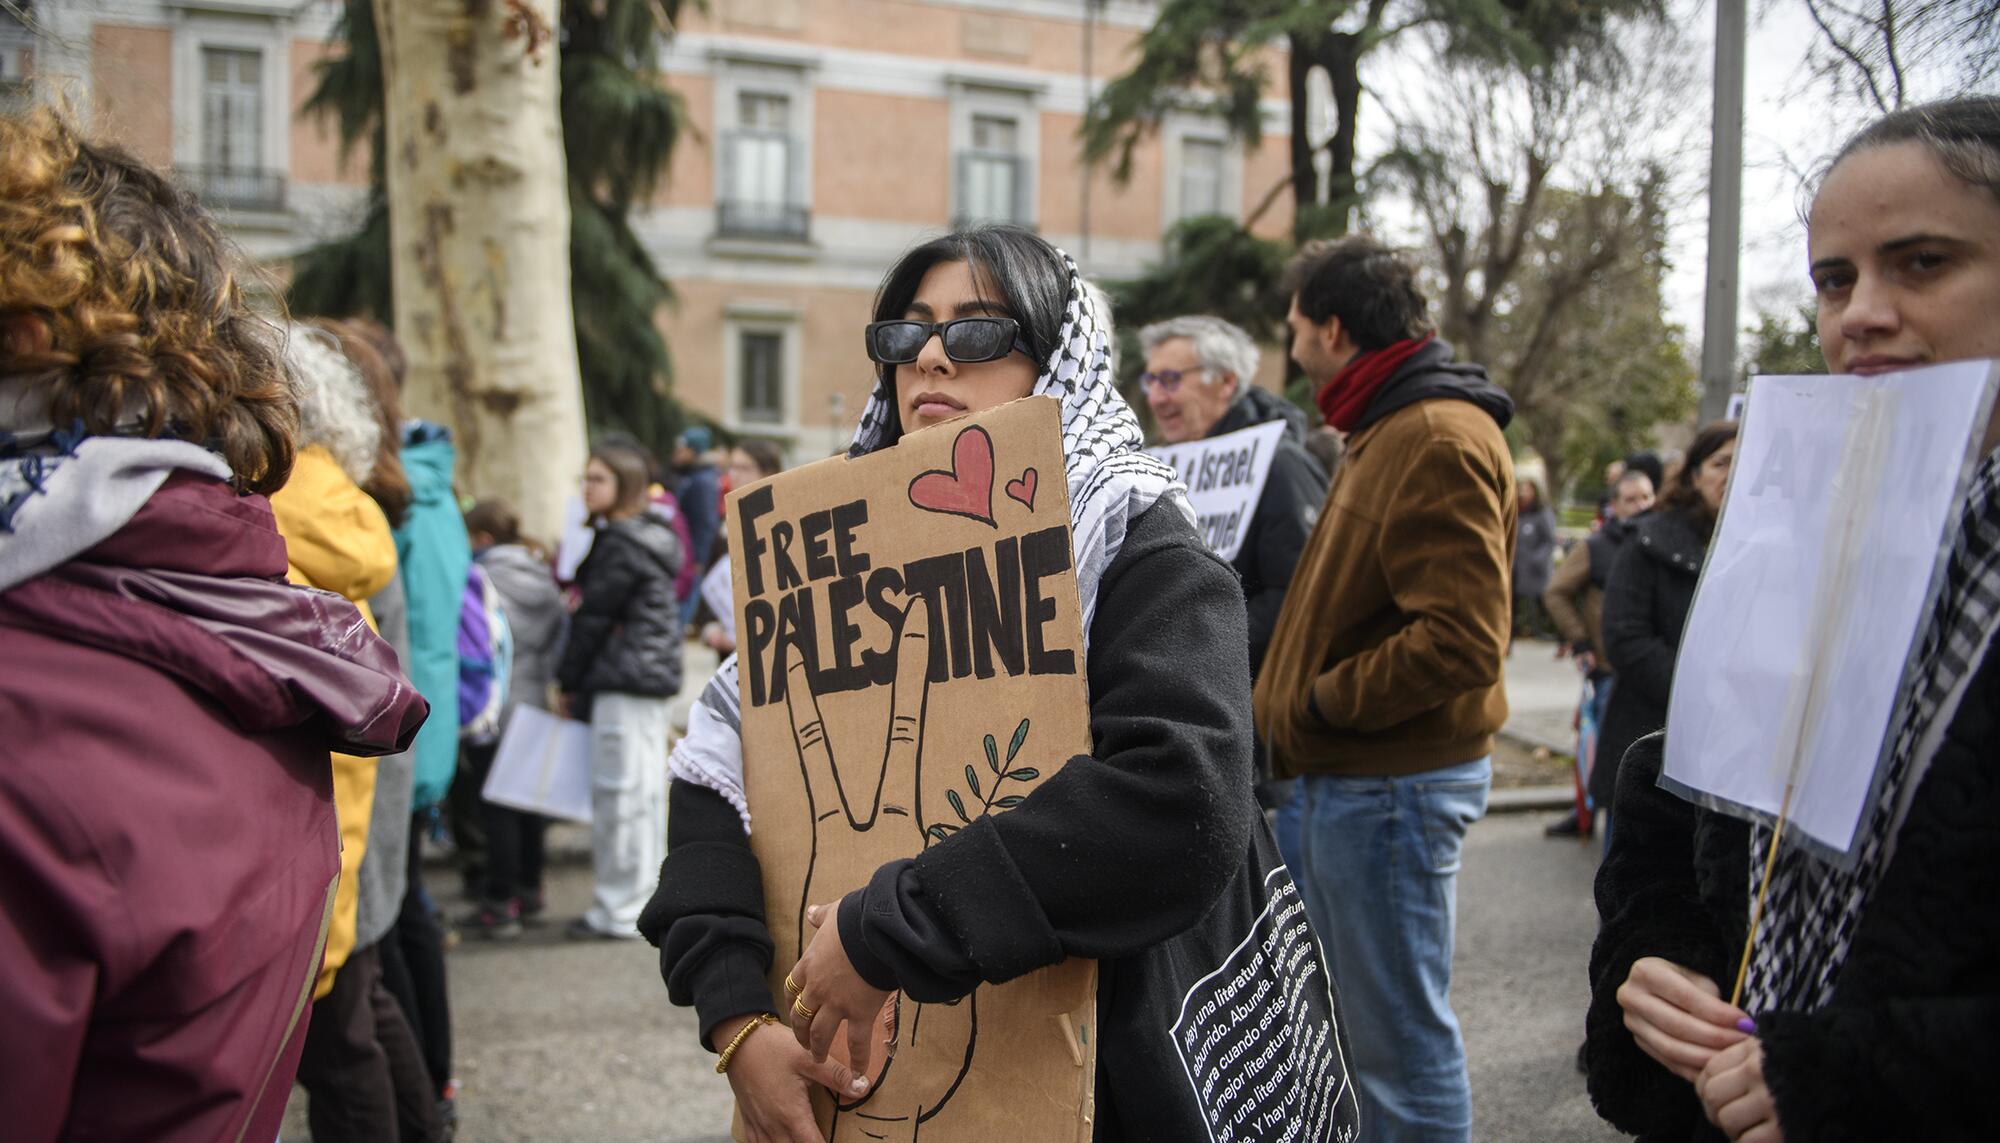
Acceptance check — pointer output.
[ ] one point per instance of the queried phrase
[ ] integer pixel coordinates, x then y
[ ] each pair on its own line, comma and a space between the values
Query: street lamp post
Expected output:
1725, 213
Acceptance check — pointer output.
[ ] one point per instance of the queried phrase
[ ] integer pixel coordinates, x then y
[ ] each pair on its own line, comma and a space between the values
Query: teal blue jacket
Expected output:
433, 555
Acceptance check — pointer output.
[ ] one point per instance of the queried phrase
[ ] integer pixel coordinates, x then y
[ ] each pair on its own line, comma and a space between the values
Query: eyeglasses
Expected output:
967, 340
1167, 379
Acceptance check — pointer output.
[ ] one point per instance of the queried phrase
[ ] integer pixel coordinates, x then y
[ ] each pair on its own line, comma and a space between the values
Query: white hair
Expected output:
1221, 347
335, 410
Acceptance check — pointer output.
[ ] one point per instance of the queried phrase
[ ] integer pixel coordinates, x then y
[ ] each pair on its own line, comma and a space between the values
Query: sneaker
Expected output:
494, 921
532, 904
582, 930
1565, 826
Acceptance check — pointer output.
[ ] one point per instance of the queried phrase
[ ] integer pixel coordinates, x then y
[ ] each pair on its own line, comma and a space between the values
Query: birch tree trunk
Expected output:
479, 219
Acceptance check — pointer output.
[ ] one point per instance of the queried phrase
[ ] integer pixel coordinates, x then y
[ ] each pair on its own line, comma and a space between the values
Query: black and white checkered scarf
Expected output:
1813, 909
1111, 481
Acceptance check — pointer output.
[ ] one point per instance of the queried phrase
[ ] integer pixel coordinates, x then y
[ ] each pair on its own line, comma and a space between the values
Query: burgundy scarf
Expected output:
1343, 399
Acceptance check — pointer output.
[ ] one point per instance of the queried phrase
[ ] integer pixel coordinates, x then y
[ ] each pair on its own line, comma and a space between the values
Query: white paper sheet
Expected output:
1818, 580
542, 765
1225, 477
720, 594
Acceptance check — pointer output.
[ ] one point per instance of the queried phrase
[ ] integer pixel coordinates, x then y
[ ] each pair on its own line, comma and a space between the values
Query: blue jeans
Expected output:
1377, 861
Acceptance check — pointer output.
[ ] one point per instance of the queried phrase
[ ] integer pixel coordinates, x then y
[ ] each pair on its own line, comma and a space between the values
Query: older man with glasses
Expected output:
1197, 384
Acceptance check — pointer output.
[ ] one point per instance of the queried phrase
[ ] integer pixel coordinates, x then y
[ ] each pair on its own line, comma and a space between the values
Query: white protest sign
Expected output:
542, 765
1225, 478
1821, 575
574, 542
720, 594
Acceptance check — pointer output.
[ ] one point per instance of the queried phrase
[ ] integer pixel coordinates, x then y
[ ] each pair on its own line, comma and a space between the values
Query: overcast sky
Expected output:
1791, 124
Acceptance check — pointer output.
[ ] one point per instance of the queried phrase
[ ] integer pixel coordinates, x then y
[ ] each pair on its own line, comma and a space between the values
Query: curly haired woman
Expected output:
166, 819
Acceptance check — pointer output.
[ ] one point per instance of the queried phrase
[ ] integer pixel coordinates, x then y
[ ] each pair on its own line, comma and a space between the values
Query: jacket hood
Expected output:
503, 561
193, 585
654, 536
1430, 374
1258, 406
428, 459
1671, 538
336, 537
56, 506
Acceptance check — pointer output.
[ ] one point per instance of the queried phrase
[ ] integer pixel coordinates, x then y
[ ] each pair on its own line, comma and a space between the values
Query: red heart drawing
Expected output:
965, 490
1024, 489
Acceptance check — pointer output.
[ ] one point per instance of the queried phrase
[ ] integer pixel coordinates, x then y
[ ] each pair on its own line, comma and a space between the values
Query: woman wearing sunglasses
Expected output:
1133, 856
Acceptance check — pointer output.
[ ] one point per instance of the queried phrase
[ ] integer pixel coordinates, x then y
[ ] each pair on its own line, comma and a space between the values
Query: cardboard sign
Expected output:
910, 652
1225, 478
542, 765
1831, 548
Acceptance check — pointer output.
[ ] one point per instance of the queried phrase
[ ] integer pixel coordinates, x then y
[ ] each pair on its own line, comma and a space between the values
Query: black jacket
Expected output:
1646, 607
1285, 515
1911, 1036
1167, 788
625, 636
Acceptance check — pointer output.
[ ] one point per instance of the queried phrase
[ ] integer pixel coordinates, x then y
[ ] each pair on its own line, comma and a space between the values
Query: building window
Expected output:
232, 171
763, 177
760, 364
17, 55
992, 172
1201, 176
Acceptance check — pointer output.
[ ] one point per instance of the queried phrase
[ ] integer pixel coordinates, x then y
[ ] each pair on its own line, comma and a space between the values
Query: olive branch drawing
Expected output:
988, 795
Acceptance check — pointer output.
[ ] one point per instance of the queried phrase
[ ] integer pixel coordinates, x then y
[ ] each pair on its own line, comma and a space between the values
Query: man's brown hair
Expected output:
136, 291
1369, 286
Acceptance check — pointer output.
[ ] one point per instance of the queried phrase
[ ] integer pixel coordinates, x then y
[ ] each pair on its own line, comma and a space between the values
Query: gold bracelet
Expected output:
742, 1034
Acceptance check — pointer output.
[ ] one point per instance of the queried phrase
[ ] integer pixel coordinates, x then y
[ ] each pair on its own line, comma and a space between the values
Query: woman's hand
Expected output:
1678, 1016
1735, 1097
773, 1077
832, 993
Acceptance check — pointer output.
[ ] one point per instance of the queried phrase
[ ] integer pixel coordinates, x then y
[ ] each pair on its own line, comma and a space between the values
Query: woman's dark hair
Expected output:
497, 519
1367, 285
385, 343
1026, 275
1681, 495
629, 468
387, 484
1963, 133
770, 459
138, 293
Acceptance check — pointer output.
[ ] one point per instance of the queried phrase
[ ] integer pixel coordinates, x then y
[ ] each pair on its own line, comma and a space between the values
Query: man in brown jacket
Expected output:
1382, 686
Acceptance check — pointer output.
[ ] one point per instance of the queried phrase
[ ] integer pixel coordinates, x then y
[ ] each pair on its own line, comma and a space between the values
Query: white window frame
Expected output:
1020, 102
268, 36
1179, 127
742, 72
786, 322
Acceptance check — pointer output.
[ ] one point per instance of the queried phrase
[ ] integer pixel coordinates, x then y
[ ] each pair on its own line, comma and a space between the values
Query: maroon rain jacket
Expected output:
167, 837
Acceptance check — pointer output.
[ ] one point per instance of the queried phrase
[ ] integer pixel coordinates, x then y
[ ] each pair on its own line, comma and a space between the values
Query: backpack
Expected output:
485, 659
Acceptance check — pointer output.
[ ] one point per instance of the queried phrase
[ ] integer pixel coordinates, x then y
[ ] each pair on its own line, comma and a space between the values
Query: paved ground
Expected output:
558, 1041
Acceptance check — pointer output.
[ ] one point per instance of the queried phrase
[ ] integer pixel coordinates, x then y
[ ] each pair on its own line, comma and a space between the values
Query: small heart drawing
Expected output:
965, 490
1024, 489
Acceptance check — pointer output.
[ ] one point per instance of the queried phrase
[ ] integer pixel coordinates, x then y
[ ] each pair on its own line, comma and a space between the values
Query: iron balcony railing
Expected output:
236, 189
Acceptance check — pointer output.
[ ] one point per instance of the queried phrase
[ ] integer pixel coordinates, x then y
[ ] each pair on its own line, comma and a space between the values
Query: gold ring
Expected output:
800, 1010
792, 987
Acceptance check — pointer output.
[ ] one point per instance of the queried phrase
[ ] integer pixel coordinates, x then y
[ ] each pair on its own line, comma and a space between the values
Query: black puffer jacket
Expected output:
1285, 515
625, 636
1911, 1037
1645, 609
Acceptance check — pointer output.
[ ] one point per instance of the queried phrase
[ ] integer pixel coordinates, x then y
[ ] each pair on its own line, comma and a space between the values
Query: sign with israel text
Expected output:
1225, 478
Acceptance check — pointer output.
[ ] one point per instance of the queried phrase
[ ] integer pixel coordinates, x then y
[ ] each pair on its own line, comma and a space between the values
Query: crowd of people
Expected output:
304, 649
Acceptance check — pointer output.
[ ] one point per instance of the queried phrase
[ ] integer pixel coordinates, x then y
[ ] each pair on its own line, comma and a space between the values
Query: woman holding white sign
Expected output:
1141, 855
1871, 997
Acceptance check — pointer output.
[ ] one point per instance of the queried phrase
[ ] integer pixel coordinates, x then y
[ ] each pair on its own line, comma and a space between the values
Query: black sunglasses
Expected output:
967, 340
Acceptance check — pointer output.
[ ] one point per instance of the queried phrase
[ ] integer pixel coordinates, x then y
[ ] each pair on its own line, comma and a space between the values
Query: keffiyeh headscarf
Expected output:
1111, 481
1813, 909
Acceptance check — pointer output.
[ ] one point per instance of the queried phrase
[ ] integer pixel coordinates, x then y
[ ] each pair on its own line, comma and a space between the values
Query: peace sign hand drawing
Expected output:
850, 840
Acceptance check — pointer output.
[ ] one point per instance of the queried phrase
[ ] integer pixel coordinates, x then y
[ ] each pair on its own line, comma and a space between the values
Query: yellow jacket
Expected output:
336, 539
